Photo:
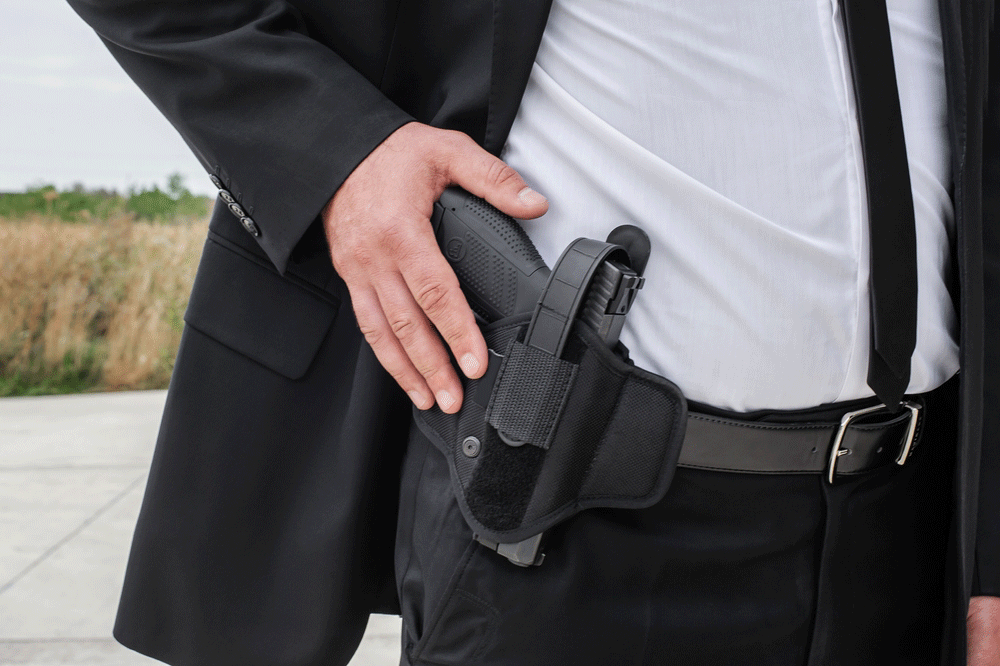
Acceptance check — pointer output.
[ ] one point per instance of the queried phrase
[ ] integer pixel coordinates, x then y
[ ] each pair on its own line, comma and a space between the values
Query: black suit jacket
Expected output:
266, 532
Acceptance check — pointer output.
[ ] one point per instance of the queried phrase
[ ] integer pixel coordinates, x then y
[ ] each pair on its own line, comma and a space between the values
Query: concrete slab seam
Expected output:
69, 537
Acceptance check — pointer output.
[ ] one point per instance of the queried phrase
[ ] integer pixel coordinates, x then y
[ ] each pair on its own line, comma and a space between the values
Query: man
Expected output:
265, 523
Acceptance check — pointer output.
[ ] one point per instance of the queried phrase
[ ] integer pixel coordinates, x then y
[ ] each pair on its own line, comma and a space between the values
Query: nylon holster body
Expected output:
539, 439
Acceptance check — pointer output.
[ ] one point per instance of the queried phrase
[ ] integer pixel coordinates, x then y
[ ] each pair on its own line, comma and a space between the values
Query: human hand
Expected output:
382, 245
983, 625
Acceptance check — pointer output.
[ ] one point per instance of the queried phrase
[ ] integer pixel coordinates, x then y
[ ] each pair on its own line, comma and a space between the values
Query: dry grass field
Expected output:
92, 305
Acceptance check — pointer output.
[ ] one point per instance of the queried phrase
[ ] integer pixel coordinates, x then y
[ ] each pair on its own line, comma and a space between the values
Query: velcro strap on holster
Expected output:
529, 394
596, 432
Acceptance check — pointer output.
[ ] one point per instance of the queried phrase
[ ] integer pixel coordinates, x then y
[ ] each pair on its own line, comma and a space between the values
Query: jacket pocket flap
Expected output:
254, 311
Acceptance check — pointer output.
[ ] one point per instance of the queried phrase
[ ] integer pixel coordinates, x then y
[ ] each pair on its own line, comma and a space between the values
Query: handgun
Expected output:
502, 274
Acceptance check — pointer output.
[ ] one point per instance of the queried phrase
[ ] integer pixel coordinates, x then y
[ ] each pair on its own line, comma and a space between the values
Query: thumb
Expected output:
488, 177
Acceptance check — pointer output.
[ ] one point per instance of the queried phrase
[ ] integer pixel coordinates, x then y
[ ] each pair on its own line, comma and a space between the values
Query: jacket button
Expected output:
226, 196
237, 211
215, 181
250, 226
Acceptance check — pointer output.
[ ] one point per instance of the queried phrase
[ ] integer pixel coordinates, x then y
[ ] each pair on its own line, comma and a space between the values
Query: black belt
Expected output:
862, 441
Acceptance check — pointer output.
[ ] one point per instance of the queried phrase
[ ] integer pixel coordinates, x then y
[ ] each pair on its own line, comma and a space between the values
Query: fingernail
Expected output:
470, 365
418, 399
530, 197
445, 401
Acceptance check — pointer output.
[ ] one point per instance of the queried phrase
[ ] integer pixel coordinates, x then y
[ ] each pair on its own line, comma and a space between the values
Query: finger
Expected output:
983, 630
429, 282
432, 282
390, 353
422, 345
489, 177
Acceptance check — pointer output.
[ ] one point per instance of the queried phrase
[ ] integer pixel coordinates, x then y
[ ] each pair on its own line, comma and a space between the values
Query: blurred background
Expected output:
103, 212
96, 190
71, 115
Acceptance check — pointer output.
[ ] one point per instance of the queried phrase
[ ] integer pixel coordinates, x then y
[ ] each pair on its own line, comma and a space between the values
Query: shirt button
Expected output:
237, 211
226, 196
215, 181
250, 226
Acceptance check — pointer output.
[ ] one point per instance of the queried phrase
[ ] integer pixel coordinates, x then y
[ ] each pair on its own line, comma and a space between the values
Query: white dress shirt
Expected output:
727, 130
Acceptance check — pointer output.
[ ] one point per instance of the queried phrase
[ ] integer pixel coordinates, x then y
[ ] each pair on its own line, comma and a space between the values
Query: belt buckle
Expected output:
836, 451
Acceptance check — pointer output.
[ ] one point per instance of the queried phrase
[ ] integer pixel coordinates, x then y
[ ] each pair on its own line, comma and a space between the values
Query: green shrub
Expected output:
80, 204
151, 204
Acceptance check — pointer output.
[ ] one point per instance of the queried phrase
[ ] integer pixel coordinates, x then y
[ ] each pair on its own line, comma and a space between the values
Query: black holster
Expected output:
539, 438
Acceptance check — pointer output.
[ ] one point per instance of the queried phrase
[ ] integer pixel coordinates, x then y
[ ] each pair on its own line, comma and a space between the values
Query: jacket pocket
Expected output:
248, 307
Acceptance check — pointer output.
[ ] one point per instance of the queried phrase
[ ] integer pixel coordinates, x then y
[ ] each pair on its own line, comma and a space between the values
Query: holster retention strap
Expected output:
529, 395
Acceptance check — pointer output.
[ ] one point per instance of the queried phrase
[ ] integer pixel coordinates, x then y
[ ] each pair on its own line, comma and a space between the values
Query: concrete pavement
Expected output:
72, 473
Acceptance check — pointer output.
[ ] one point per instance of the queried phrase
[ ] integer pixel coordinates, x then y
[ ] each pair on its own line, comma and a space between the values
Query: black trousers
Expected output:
734, 569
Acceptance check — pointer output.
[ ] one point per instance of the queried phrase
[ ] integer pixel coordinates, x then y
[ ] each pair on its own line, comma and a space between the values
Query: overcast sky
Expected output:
69, 114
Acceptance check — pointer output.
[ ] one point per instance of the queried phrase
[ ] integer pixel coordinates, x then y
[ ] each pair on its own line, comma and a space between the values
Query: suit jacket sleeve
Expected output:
279, 117
988, 537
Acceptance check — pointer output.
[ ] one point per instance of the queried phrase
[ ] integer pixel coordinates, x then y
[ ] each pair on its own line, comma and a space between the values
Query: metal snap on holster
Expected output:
561, 421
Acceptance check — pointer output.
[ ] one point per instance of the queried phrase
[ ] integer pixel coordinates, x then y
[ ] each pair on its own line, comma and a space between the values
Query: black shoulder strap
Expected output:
893, 244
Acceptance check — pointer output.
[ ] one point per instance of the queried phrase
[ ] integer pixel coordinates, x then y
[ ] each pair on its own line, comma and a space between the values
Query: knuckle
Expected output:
459, 140
364, 258
404, 327
373, 334
432, 298
395, 239
401, 377
432, 368
454, 334
350, 251
498, 173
